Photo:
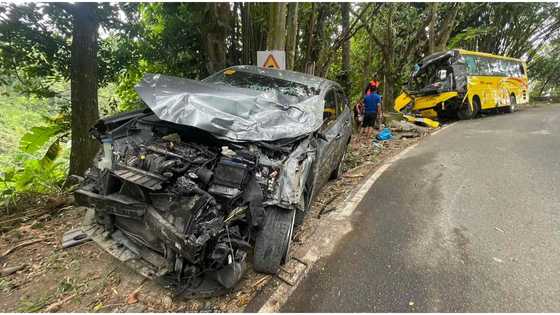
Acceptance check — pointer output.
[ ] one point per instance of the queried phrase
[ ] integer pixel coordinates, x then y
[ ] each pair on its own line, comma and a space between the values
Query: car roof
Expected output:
298, 77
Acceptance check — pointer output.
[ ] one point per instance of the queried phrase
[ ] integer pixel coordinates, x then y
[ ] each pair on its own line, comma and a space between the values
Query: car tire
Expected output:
512, 104
273, 241
337, 173
465, 112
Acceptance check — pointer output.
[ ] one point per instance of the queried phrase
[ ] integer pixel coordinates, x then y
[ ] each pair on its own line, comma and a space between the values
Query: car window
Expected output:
341, 102
329, 112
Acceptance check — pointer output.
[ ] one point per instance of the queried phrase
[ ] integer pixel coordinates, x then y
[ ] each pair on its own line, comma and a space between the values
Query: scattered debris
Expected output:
10, 270
262, 280
327, 203
20, 245
408, 135
55, 306
498, 229
132, 298
498, 260
354, 175
74, 237
384, 135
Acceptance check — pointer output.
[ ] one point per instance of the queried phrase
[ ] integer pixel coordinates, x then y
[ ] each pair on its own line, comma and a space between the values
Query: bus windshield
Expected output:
432, 76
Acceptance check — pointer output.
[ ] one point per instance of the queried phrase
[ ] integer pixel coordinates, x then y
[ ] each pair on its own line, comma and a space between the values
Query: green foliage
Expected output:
38, 137
469, 35
512, 29
128, 97
544, 71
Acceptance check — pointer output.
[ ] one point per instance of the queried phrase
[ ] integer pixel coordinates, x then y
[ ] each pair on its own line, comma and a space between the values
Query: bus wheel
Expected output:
512, 104
465, 112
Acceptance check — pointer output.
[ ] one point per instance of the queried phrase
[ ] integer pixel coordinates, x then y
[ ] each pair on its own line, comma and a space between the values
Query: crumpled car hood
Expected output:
235, 114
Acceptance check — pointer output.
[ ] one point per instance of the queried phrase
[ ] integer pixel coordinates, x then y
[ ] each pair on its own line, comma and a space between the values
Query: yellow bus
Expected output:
462, 83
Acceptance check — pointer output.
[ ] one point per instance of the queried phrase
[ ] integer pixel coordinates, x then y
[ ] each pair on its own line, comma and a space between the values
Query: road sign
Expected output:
275, 59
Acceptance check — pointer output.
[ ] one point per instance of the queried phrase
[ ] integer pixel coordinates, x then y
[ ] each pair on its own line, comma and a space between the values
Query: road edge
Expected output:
329, 233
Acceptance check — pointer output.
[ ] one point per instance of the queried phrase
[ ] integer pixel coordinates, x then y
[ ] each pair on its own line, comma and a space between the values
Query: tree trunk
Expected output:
446, 28
432, 28
83, 85
247, 34
318, 55
389, 66
276, 38
367, 64
234, 51
345, 77
309, 65
291, 34
214, 35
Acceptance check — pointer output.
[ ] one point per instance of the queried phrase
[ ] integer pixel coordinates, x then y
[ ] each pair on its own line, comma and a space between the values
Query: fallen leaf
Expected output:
97, 307
132, 298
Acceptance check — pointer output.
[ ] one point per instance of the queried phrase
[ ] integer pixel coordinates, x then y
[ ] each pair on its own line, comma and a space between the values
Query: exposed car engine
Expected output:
182, 201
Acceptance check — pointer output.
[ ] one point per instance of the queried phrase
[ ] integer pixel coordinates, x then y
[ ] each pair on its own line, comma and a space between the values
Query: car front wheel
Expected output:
273, 241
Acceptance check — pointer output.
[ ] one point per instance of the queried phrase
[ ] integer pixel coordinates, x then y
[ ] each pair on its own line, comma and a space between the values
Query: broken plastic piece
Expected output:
74, 237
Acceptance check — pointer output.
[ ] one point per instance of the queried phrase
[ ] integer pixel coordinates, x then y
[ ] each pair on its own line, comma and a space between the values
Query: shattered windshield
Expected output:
260, 82
431, 76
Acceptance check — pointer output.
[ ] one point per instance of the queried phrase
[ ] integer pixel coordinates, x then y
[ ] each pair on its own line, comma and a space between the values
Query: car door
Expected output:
327, 142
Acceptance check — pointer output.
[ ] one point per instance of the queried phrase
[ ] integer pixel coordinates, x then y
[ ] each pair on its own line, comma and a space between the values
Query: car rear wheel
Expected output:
337, 173
272, 245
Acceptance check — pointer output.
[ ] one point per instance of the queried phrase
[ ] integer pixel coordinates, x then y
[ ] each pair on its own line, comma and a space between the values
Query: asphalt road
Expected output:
468, 221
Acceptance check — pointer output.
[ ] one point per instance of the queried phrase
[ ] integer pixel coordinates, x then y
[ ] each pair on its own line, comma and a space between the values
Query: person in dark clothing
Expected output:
372, 104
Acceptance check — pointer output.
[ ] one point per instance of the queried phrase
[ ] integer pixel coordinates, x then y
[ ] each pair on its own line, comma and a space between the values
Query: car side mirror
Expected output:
442, 75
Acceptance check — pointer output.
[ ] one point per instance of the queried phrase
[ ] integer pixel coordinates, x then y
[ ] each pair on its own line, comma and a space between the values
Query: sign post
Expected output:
274, 59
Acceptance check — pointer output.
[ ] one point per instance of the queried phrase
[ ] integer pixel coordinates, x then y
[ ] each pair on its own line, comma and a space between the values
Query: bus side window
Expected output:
484, 67
510, 69
504, 68
521, 69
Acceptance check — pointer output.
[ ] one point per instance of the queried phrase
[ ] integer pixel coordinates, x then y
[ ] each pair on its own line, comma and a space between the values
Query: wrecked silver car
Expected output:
212, 172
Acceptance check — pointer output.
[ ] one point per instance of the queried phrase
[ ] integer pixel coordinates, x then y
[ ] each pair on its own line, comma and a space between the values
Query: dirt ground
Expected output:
86, 279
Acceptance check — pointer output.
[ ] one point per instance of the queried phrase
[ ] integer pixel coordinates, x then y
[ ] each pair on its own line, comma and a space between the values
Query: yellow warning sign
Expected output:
272, 59
270, 62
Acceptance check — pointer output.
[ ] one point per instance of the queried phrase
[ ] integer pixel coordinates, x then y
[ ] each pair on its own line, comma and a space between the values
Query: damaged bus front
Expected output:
183, 190
460, 83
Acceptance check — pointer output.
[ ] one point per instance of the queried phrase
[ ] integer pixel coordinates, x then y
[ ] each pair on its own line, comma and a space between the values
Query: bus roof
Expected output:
481, 54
